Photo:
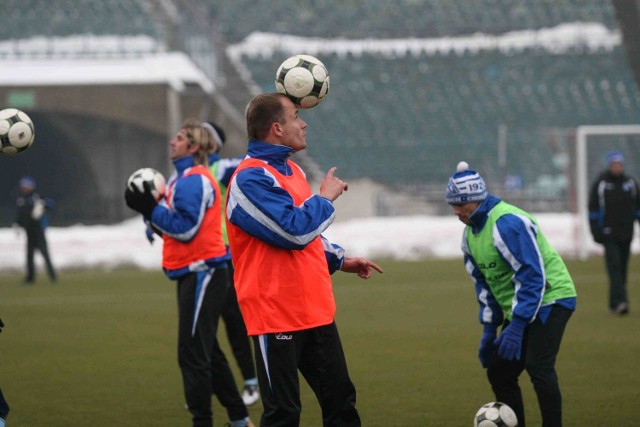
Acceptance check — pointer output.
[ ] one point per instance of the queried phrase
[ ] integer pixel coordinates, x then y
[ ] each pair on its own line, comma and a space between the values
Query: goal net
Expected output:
592, 145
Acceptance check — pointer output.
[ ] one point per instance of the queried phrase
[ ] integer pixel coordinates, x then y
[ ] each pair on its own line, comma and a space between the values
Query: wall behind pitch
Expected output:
82, 162
90, 138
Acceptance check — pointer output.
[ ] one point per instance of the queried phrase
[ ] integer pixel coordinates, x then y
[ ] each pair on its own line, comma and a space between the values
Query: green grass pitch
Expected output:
99, 349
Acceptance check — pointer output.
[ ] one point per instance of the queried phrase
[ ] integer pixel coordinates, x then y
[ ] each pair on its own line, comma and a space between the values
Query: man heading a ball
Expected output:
283, 266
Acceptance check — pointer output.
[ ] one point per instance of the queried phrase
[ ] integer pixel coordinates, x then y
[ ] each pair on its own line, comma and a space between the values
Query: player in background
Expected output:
283, 268
614, 207
195, 256
32, 217
522, 284
222, 169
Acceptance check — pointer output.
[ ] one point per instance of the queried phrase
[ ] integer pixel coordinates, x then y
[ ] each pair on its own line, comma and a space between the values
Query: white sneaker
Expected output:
250, 394
621, 309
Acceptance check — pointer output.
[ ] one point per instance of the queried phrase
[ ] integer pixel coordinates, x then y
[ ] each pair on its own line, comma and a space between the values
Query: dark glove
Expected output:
140, 201
598, 237
596, 232
487, 345
510, 340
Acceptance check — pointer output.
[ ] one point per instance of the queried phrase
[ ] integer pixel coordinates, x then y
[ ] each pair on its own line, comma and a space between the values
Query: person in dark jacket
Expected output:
32, 216
614, 205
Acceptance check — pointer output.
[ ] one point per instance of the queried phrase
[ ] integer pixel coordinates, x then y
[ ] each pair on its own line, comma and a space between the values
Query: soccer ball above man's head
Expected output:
156, 182
16, 131
304, 79
495, 414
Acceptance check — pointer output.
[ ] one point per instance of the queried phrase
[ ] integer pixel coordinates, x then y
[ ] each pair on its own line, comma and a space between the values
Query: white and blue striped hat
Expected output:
466, 185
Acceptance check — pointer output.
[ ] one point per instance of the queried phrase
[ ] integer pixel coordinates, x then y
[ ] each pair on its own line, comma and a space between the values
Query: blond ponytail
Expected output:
201, 137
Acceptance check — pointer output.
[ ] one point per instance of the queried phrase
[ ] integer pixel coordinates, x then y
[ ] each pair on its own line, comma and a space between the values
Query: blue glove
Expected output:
486, 344
510, 340
149, 233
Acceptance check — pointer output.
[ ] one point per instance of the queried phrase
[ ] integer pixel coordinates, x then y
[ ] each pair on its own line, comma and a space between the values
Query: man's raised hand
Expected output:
332, 186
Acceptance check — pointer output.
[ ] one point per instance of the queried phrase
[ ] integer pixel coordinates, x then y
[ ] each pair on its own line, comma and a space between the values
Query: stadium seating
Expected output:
405, 117
410, 119
401, 18
60, 18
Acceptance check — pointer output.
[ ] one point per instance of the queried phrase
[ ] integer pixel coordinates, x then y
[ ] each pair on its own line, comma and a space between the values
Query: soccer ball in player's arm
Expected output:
145, 188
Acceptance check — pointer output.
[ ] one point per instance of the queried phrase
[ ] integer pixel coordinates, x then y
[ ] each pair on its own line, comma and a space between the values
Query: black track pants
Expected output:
317, 353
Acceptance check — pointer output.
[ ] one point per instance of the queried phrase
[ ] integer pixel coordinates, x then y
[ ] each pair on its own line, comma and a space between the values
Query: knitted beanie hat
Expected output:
615, 157
466, 185
27, 182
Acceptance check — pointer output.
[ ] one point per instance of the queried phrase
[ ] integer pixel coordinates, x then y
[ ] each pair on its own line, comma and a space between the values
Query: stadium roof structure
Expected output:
62, 63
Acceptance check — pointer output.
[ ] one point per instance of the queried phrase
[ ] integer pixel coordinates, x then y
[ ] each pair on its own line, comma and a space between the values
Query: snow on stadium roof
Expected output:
556, 40
82, 60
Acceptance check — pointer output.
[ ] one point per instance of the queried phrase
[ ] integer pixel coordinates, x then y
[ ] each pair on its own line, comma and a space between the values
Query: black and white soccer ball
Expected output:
16, 131
304, 79
495, 414
157, 183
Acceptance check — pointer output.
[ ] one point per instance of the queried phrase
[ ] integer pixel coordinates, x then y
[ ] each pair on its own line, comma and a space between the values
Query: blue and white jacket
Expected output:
518, 247
225, 169
257, 204
190, 197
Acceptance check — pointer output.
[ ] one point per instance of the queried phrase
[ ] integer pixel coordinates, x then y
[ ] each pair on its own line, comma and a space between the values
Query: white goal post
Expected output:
582, 183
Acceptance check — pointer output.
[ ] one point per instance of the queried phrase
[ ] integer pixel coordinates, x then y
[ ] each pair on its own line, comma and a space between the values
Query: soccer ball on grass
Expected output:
16, 131
304, 79
155, 180
495, 414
